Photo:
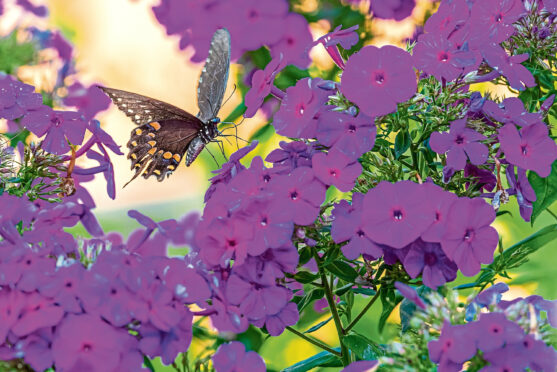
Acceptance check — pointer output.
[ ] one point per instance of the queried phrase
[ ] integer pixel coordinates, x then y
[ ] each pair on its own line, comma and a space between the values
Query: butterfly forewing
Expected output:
143, 110
214, 77
157, 148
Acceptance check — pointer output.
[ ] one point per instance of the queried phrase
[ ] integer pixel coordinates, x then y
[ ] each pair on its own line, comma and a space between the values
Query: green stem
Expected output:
345, 356
314, 341
362, 313
551, 213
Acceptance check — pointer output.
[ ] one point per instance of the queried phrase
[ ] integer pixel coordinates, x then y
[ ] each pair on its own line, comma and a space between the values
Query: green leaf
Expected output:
314, 294
402, 142
305, 255
517, 254
345, 288
148, 363
318, 325
305, 277
364, 291
546, 190
317, 360
342, 270
389, 299
364, 348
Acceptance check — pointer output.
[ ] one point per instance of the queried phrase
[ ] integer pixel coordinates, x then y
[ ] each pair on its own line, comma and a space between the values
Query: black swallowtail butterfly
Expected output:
166, 132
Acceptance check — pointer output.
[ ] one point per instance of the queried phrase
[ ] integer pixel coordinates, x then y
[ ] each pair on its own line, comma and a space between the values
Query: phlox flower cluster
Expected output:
251, 23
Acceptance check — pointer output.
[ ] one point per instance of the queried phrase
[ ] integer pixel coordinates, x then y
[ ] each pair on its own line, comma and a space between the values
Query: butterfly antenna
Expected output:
230, 96
221, 147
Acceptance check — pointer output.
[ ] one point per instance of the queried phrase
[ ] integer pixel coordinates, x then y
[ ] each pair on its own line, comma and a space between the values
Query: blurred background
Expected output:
120, 44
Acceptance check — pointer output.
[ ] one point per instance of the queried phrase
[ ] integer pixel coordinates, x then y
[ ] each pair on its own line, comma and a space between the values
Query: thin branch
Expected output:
362, 313
314, 341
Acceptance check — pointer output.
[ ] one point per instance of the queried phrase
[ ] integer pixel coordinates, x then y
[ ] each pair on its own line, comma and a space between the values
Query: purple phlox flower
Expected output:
396, 214
441, 201
438, 56
287, 316
291, 155
497, 330
16, 210
541, 304
450, 16
492, 20
542, 357
511, 110
525, 194
348, 225
491, 295
353, 136
38, 312
100, 137
385, 74
460, 143
63, 286
16, 98
251, 186
335, 168
300, 109
187, 284
347, 38
429, 260
38, 10
393, 9
228, 318
105, 166
222, 240
476, 103
322, 304
89, 101
469, 240
410, 294
253, 23
550, 5
229, 169
157, 306
85, 342
167, 345
547, 103
297, 196
518, 76
484, 178
509, 358
34, 270
36, 349
270, 230
12, 304
283, 259
232, 357
294, 41
59, 127
531, 148
261, 85
54, 40
456, 345
360, 366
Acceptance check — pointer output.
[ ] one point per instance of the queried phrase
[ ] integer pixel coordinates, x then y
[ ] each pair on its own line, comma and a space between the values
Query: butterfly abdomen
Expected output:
194, 149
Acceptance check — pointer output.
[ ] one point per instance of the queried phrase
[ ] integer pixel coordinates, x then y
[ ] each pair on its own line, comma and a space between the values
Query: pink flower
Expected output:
337, 169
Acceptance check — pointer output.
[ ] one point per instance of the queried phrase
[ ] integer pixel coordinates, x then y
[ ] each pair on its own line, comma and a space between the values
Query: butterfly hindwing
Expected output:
214, 76
142, 110
158, 147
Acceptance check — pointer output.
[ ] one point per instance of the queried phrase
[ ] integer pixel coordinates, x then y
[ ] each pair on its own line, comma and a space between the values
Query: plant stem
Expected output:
314, 341
345, 356
551, 213
362, 313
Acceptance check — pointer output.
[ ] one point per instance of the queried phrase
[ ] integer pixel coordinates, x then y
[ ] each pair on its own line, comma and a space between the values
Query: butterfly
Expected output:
166, 133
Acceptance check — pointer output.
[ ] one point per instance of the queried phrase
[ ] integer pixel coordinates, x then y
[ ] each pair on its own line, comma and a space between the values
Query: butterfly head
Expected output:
213, 121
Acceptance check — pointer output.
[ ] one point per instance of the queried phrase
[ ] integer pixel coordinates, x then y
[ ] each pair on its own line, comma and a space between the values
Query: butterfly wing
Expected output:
214, 76
142, 110
158, 147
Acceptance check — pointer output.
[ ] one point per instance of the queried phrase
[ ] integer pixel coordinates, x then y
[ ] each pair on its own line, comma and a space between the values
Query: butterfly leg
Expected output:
213, 156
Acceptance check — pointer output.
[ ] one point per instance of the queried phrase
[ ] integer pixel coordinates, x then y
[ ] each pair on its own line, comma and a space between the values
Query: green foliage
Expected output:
320, 359
546, 191
14, 53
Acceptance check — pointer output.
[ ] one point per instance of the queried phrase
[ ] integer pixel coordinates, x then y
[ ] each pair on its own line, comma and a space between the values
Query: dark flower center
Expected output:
333, 172
69, 285
300, 109
459, 140
430, 258
290, 41
525, 150
86, 347
398, 215
437, 216
443, 57
469, 234
113, 291
361, 234
264, 221
351, 128
379, 78
495, 329
253, 14
498, 17
55, 121
294, 195
266, 178
231, 243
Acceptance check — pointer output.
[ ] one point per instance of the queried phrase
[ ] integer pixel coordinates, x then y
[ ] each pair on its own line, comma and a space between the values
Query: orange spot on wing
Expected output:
177, 157
155, 125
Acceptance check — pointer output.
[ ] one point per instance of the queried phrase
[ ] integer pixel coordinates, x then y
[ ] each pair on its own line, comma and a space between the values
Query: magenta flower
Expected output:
376, 79
518, 76
410, 294
469, 240
550, 5
393, 9
270, 231
337, 169
290, 156
346, 38
525, 194
348, 225
353, 136
511, 110
531, 148
491, 20
223, 240
438, 56
456, 345
16, 98
59, 127
86, 342
460, 143
429, 260
449, 17
297, 197
396, 213
261, 85
89, 101
298, 113
360, 366
497, 330
294, 41
440, 201
233, 357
